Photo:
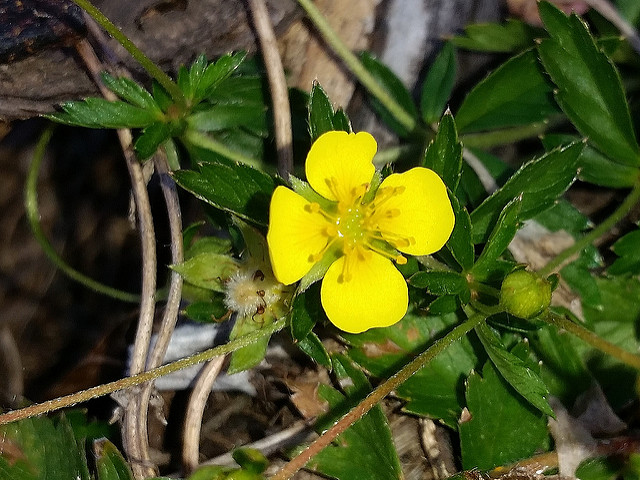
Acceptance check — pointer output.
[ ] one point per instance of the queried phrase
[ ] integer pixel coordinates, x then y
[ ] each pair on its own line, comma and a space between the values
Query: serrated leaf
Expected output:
459, 243
320, 112
516, 93
595, 167
589, 86
312, 346
437, 390
101, 113
217, 72
514, 35
444, 154
503, 427
524, 380
439, 283
131, 92
110, 463
627, 248
251, 355
39, 448
207, 270
365, 451
150, 139
222, 117
563, 216
236, 188
161, 96
540, 181
395, 88
500, 238
437, 86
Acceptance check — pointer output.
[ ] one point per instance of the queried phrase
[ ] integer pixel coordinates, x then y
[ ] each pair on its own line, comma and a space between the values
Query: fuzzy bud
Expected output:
525, 294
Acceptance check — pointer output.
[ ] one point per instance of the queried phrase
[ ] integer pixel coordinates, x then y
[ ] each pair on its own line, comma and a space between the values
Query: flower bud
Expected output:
525, 294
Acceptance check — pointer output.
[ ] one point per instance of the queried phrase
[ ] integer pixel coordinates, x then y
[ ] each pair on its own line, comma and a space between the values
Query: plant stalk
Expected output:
376, 396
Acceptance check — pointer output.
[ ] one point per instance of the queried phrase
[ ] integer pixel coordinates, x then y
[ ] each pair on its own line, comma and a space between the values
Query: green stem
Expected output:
376, 396
621, 212
107, 388
33, 215
594, 340
146, 63
357, 68
199, 139
505, 136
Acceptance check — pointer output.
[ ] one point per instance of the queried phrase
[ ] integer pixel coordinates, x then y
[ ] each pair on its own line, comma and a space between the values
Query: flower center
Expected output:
358, 227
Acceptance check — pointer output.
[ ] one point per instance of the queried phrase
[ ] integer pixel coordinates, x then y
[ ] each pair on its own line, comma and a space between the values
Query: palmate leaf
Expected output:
589, 86
540, 182
365, 451
101, 113
436, 390
516, 93
130, 91
502, 427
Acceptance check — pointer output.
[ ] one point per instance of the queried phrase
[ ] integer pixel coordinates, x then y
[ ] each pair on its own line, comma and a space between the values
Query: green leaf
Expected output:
110, 463
594, 167
437, 86
516, 93
251, 355
207, 270
206, 312
222, 117
320, 112
312, 346
540, 181
459, 243
396, 89
436, 390
500, 238
579, 278
515, 371
627, 249
208, 245
131, 92
512, 36
563, 216
502, 428
216, 72
101, 113
439, 283
322, 118
236, 188
589, 86
305, 312
151, 138
444, 154
365, 451
40, 448
561, 367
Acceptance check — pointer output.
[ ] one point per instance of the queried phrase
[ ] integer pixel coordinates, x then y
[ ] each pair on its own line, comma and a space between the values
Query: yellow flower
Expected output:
361, 231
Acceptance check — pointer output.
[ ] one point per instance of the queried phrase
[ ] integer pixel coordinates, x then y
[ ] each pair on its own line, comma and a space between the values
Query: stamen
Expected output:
314, 207
386, 254
394, 239
400, 260
392, 213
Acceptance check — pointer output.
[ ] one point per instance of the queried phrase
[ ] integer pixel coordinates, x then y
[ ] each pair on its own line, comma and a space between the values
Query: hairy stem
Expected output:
127, 382
376, 396
621, 212
594, 340
144, 61
357, 68
33, 216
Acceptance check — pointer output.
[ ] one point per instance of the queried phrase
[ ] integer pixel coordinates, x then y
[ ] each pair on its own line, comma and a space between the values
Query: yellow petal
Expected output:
340, 162
295, 235
375, 295
419, 210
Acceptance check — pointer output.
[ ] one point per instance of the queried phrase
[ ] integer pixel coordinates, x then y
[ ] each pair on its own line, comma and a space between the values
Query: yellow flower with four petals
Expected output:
360, 231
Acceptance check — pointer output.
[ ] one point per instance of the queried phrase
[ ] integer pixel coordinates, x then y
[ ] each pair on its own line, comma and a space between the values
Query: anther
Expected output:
258, 275
313, 207
392, 213
400, 260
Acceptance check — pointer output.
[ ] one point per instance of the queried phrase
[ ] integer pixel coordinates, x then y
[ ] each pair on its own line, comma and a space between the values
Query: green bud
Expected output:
525, 294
